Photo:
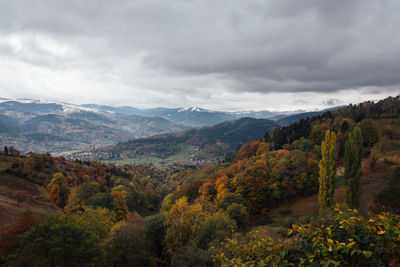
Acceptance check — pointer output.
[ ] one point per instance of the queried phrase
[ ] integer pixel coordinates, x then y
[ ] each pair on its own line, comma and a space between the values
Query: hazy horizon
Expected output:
44, 101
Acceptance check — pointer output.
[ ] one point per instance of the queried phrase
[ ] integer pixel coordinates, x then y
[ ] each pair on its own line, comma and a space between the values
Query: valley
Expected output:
265, 193
199, 133
196, 146
81, 131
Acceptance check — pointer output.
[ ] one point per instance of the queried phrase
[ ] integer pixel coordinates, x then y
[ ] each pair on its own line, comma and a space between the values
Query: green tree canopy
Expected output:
352, 168
327, 172
60, 241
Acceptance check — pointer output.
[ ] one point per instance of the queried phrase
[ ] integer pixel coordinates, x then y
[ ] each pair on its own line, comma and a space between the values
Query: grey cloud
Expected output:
240, 46
324, 48
332, 102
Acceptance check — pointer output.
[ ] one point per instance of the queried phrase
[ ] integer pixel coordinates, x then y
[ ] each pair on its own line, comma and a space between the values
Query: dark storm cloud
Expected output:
293, 46
332, 102
247, 46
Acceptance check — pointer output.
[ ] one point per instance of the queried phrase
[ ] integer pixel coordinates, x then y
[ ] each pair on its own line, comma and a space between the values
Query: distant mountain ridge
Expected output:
37, 126
52, 126
285, 120
193, 116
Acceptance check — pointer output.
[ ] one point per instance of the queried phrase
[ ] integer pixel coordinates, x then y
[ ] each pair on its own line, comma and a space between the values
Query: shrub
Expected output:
59, 241
343, 239
214, 230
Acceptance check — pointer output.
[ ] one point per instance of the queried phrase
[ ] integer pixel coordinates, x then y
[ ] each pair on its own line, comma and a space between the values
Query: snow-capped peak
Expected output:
66, 107
70, 108
194, 109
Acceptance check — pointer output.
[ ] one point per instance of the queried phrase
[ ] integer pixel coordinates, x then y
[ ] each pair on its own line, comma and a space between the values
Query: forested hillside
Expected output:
314, 128
193, 146
63, 128
271, 204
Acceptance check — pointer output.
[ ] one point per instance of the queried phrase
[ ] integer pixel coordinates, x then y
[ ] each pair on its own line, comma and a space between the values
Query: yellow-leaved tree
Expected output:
183, 221
327, 173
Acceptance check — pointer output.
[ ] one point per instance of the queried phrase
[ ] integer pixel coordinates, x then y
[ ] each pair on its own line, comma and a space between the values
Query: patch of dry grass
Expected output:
37, 201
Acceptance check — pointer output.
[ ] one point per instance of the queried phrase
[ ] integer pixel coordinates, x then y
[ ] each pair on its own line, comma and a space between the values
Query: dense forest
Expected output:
321, 191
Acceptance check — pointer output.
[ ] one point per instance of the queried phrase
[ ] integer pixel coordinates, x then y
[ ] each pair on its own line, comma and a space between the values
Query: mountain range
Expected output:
193, 116
57, 127
37, 126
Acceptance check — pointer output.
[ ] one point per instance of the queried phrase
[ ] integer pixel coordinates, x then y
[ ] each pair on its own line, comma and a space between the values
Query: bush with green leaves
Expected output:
127, 244
60, 241
239, 213
155, 233
342, 239
101, 200
389, 198
230, 198
214, 230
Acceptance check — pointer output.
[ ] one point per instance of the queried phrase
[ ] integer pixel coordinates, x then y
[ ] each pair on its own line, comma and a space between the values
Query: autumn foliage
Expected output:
345, 239
219, 214
119, 205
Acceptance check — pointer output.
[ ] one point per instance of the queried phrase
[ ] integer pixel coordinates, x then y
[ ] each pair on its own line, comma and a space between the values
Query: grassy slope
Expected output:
37, 201
182, 157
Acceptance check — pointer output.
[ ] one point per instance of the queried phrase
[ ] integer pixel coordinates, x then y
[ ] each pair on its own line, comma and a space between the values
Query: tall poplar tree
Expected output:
352, 168
327, 173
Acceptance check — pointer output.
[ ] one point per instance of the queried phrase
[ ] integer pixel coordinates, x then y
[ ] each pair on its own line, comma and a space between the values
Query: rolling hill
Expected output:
60, 128
193, 146
285, 120
34, 126
259, 200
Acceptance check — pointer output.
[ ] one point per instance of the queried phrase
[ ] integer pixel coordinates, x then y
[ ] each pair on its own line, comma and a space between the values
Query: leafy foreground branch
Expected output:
343, 239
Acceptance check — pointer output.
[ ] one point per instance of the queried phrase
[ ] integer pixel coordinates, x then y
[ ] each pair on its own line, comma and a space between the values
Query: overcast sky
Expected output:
223, 55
